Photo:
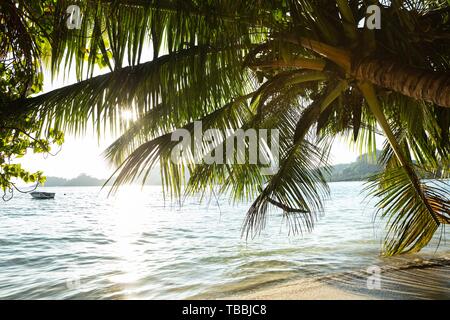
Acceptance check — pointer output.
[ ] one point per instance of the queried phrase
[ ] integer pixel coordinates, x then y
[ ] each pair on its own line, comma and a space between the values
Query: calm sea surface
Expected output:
84, 245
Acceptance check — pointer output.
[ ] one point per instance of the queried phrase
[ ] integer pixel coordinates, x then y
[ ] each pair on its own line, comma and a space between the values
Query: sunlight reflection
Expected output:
129, 210
127, 225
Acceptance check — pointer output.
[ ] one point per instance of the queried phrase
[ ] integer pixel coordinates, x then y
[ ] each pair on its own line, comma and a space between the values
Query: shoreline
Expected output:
425, 279
303, 289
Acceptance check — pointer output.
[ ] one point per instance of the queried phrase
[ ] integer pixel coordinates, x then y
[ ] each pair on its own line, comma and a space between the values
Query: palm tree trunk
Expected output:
420, 84
412, 82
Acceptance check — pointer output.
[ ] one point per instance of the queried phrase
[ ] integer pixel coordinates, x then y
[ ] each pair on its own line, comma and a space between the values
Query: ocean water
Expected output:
135, 245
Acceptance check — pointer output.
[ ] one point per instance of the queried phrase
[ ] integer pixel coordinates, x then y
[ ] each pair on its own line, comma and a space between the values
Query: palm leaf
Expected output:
300, 182
296, 65
141, 160
417, 210
410, 227
102, 99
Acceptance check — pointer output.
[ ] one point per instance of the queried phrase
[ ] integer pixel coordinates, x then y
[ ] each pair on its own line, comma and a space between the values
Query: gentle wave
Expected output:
85, 245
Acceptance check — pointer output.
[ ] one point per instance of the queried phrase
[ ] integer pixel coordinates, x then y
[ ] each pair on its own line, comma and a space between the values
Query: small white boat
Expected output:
42, 195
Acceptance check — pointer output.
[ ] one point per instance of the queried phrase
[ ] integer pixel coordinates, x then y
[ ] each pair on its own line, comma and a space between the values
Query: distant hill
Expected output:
84, 180
361, 169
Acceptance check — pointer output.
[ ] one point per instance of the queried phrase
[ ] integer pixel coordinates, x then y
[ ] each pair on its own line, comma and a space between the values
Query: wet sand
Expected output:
421, 280
303, 290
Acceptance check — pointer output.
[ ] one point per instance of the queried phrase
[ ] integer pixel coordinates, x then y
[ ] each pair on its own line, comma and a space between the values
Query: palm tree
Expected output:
309, 68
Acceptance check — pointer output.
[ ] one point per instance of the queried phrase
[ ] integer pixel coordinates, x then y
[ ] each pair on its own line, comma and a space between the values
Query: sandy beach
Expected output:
425, 279
305, 289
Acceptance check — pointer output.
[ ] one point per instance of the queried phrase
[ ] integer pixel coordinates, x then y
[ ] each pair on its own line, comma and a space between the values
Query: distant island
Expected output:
364, 167
360, 170
83, 180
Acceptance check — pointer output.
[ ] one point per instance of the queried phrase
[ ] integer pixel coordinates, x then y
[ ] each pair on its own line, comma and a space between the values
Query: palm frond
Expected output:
416, 210
141, 160
298, 185
304, 67
297, 189
410, 225
112, 31
101, 99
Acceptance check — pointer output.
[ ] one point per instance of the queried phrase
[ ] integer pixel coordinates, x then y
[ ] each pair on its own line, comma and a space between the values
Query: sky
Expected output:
84, 154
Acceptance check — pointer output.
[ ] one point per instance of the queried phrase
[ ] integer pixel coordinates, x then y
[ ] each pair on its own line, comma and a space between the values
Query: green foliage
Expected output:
23, 44
16, 139
408, 208
285, 64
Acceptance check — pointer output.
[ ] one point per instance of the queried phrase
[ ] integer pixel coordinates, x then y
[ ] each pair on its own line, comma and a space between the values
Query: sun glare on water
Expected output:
126, 226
